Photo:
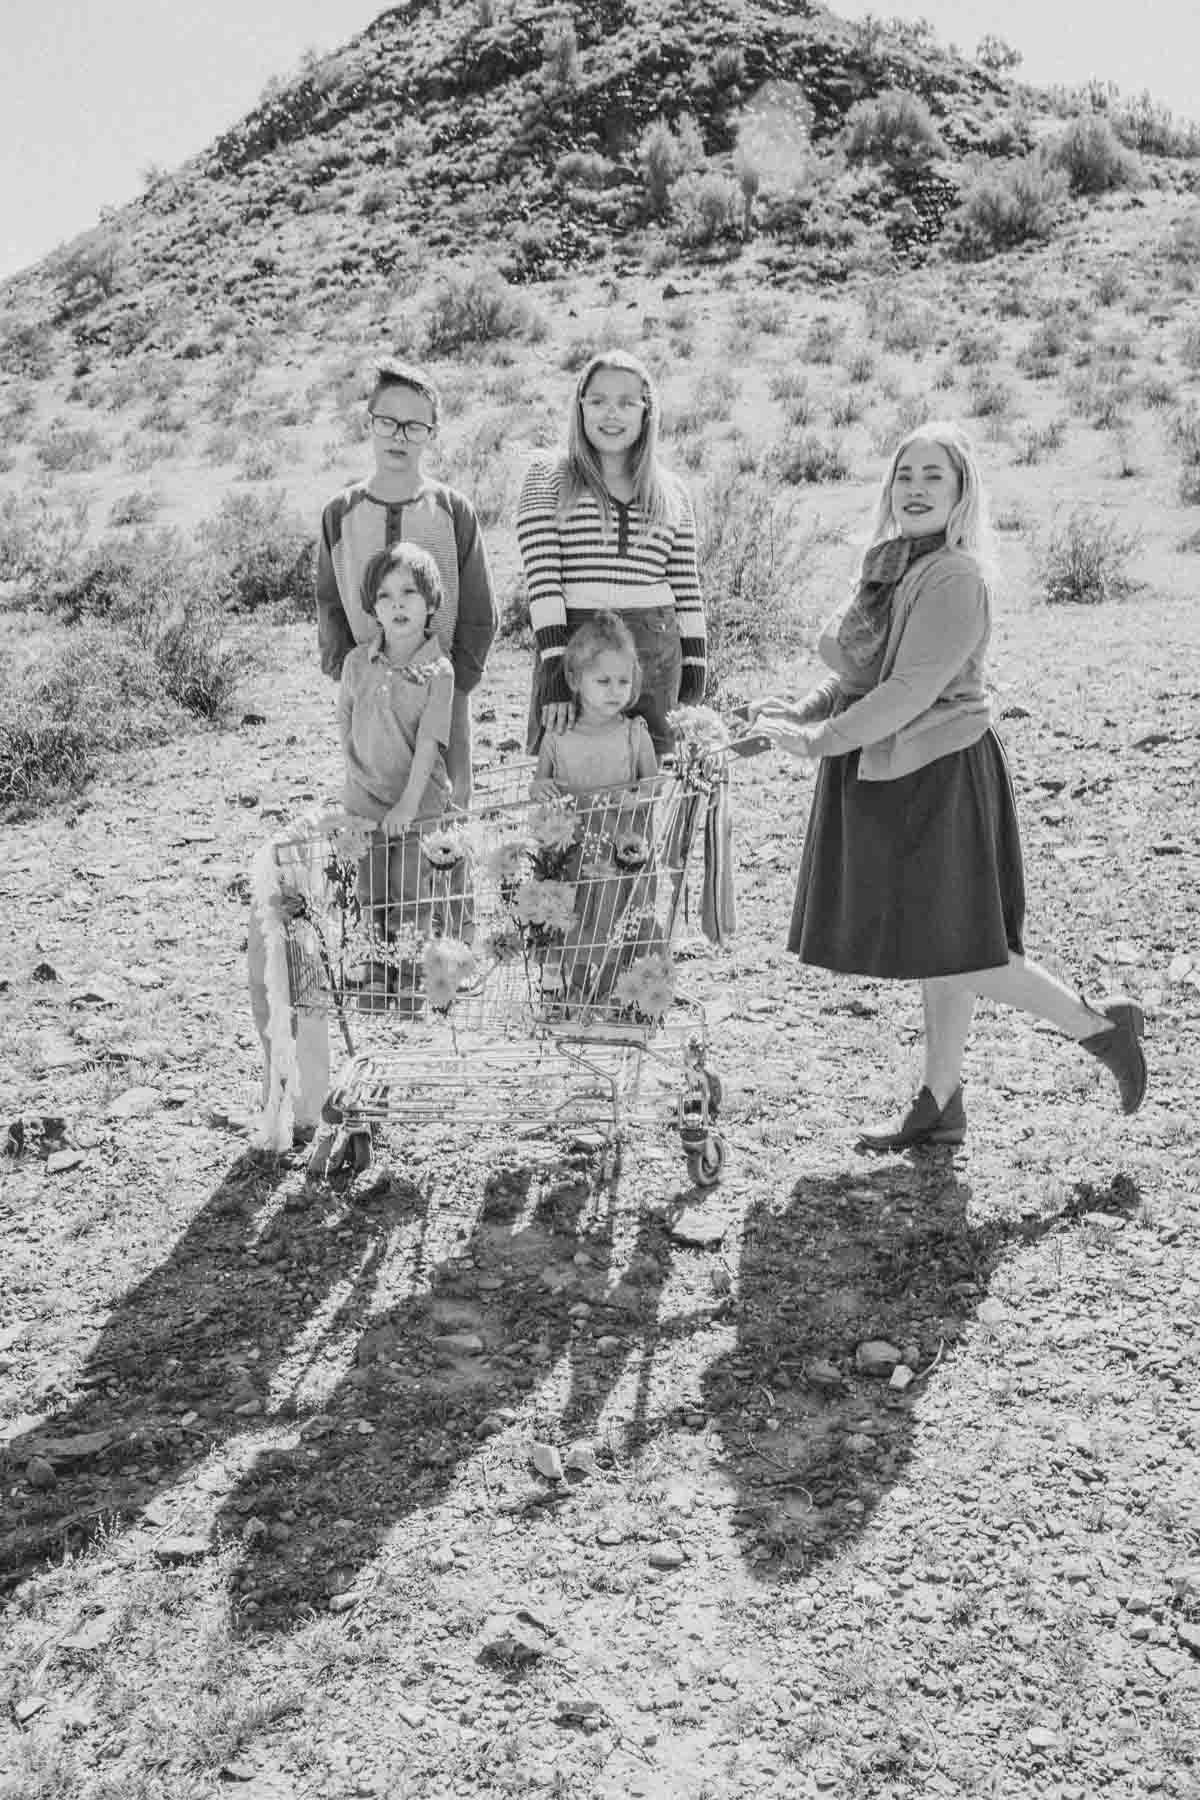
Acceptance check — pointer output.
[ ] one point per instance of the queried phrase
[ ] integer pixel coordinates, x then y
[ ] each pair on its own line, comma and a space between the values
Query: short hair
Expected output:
401, 374
604, 631
418, 563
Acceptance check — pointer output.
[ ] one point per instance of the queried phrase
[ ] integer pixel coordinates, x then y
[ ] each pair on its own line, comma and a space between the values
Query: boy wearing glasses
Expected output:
399, 501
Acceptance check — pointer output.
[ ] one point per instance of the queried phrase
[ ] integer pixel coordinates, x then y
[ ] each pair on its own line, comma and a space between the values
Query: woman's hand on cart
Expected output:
797, 740
399, 818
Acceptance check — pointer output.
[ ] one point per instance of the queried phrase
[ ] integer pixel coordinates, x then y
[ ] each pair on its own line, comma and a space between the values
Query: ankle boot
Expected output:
923, 1123
1118, 1047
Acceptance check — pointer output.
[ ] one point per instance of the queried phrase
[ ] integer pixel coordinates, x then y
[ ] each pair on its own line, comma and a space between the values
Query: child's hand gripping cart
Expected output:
511, 966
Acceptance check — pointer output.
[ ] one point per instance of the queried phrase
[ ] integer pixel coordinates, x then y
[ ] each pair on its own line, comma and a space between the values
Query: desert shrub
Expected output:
560, 52
989, 397
1091, 156
475, 305
977, 346
1039, 441
260, 460
1183, 245
708, 206
1185, 439
88, 273
583, 168
996, 56
846, 408
666, 156
749, 572
375, 198
69, 449
37, 540
197, 666
944, 377
27, 349
900, 324
100, 692
137, 507
1158, 392
860, 367
259, 553
1111, 286
1189, 348
1085, 561
1001, 208
809, 458
1146, 125
822, 340
895, 128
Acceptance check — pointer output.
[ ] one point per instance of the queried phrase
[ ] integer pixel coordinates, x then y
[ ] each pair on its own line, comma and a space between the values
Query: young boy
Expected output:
400, 502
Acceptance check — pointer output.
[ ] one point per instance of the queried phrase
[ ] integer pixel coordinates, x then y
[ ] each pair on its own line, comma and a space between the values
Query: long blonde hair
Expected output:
653, 488
968, 527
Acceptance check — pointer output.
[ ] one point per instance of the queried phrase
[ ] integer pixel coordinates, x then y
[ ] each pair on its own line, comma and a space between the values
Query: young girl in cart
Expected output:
393, 715
599, 763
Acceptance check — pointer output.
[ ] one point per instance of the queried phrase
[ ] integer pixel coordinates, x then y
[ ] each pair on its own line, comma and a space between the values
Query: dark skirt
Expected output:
912, 878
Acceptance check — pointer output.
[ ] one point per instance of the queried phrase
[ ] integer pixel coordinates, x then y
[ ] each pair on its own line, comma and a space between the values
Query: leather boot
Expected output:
923, 1123
1119, 1048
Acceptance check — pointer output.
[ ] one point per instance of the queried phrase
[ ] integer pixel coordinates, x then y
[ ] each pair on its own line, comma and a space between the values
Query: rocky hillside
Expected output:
511, 127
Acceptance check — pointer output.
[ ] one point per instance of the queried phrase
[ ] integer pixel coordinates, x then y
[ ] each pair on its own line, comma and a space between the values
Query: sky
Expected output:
96, 94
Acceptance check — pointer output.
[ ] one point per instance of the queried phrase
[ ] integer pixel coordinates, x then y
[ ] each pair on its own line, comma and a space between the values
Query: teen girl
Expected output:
912, 867
606, 528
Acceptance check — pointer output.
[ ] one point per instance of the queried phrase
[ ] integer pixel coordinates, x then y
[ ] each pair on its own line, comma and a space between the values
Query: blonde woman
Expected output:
607, 529
912, 866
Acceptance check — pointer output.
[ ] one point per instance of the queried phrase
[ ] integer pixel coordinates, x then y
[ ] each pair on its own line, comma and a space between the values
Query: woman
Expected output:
607, 529
912, 867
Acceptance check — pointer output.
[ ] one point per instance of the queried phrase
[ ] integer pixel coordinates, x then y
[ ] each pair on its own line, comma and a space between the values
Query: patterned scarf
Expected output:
861, 624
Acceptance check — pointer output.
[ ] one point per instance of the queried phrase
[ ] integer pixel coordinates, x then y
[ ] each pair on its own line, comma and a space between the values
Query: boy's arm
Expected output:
478, 621
345, 707
683, 574
335, 639
433, 734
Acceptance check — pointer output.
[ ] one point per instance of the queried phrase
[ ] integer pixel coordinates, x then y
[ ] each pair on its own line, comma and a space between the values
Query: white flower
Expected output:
553, 824
631, 850
443, 849
446, 965
507, 859
648, 987
698, 728
550, 904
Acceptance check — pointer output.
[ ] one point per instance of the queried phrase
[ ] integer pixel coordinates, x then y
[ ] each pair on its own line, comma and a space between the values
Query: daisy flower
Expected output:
549, 904
631, 850
648, 987
446, 965
553, 824
443, 849
506, 861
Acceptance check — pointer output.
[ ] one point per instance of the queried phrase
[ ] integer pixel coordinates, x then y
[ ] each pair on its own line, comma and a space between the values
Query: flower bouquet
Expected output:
700, 735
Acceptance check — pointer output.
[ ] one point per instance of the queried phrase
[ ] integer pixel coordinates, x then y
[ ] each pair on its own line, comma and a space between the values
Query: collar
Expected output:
427, 653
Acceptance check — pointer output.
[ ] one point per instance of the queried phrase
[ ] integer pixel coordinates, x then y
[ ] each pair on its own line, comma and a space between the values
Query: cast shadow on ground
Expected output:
813, 1443
888, 1254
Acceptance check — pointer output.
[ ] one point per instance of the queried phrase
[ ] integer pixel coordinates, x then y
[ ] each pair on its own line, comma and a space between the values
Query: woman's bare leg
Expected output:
948, 1003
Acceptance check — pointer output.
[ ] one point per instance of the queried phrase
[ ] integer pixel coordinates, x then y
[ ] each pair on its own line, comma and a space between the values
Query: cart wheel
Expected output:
351, 1151
704, 1165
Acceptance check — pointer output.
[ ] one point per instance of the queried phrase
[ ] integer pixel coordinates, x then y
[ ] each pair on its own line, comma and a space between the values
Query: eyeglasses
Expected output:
413, 431
595, 404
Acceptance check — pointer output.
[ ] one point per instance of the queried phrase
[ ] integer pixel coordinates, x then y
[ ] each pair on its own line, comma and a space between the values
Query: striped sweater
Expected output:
584, 563
355, 525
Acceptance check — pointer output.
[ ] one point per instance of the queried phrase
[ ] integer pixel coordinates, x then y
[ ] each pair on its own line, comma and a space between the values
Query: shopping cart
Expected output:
510, 964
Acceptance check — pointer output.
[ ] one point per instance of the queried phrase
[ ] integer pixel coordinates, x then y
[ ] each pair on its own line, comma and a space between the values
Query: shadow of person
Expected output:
434, 1376
186, 1360
812, 1441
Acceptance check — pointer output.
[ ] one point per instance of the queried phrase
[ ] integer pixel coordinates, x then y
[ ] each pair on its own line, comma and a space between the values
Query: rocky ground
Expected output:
486, 1473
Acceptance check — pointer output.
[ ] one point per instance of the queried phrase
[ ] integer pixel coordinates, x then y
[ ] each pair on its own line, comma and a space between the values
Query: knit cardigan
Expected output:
930, 698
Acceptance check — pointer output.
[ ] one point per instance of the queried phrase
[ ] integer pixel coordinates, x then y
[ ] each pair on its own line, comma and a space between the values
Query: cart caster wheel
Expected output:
351, 1152
705, 1165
